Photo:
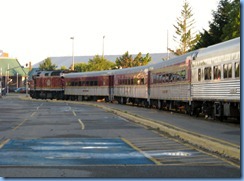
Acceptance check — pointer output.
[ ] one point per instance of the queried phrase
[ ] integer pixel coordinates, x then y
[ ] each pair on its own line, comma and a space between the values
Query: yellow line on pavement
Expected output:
4, 143
33, 114
142, 152
20, 124
81, 124
74, 113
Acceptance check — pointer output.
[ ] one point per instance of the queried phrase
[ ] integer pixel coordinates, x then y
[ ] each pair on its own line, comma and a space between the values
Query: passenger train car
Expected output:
215, 85
204, 81
170, 83
89, 85
131, 85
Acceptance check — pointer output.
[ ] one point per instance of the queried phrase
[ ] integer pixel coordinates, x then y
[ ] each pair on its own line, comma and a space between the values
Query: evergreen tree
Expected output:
225, 24
232, 27
184, 35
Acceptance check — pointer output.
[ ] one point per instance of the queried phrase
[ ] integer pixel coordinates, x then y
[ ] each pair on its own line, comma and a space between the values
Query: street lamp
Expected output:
103, 47
73, 62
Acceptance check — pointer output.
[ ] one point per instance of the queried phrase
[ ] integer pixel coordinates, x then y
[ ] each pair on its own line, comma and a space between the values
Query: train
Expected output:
204, 81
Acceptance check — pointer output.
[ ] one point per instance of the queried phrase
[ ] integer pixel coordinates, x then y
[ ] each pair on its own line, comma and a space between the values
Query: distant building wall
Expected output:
3, 54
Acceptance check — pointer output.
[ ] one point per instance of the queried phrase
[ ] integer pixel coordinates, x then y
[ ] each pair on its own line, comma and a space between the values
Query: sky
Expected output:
32, 30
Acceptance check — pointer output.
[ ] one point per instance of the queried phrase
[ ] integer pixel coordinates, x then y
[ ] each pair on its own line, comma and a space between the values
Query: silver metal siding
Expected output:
173, 91
218, 90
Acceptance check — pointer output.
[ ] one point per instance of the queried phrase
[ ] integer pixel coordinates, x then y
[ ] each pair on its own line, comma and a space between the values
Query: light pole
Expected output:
73, 62
103, 47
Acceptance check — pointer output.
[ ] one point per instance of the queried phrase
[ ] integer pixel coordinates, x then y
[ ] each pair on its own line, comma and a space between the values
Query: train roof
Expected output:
89, 74
42, 73
175, 60
226, 47
132, 70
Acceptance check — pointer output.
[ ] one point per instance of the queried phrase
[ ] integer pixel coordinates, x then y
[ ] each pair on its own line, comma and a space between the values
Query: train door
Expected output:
111, 87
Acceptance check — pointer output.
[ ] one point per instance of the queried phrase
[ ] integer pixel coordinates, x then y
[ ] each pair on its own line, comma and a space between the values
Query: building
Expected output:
66, 61
12, 74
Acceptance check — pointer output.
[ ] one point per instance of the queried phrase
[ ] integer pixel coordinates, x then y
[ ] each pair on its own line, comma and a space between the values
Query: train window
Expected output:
199, 74
207, 73
129, 82
160, 78
170, 77
46, 74
142, 81
163, 78
166, 77
182, 74
237, 69
227, 71
217, 72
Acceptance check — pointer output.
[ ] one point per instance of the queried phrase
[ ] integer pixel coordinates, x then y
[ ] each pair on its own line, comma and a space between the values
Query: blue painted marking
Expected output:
69, 152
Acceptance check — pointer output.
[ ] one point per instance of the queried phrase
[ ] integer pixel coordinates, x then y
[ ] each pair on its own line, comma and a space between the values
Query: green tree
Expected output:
220, 19
99, 63
126, 60
81, 67
184, 35
232, 27
224, 26
47, 65
63, 67
140, 61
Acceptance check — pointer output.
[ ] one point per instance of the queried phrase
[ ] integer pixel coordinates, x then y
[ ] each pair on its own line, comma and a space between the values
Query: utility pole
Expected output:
73, 61
167, 44
103, 48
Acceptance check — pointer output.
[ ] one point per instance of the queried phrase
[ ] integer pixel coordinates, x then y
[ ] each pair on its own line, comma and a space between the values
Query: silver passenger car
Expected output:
216, 79
131, 85
170, 82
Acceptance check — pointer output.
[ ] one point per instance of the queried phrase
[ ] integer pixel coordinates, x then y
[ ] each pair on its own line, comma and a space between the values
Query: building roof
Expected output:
12, 65
67, 60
